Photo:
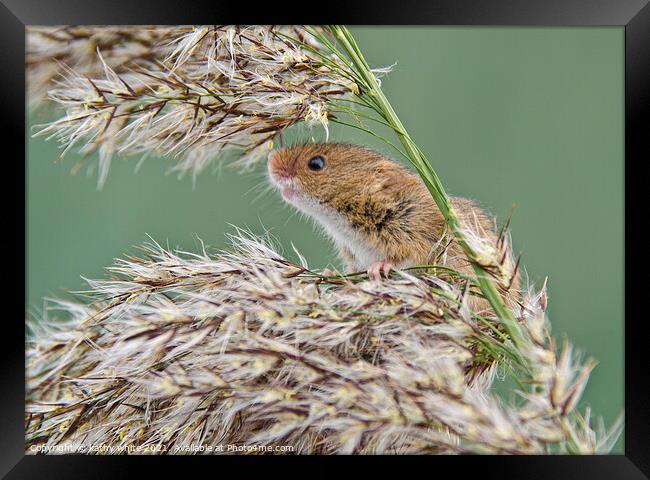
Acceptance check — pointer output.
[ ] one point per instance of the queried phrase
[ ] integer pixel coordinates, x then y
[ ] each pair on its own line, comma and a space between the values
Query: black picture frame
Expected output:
634, 15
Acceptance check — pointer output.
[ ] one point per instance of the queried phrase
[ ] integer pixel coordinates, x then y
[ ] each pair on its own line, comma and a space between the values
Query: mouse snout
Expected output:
282, 172
280, 168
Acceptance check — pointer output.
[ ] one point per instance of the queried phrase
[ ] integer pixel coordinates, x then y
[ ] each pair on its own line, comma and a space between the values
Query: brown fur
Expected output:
384, 202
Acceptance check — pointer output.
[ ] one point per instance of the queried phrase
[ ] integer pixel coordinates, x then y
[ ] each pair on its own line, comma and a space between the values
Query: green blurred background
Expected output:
531, 117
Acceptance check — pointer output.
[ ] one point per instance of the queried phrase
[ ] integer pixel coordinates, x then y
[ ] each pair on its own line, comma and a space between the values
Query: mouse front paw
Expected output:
328, 272
376, 269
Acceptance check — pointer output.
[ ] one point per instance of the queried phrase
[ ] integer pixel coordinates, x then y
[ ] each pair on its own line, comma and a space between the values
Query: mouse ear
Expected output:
392, 179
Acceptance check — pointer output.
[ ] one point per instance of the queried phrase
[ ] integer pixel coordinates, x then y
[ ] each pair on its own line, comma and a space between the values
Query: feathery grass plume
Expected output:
123, 47
189, 92
182, 352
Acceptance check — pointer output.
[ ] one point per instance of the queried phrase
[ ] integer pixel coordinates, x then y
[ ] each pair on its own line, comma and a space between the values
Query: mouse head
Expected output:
324, 174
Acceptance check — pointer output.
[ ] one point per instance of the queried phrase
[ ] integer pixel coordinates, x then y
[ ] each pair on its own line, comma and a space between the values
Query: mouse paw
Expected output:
376, 269
328, 272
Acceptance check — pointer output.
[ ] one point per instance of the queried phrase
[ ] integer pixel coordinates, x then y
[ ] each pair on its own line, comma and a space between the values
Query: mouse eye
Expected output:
316, 163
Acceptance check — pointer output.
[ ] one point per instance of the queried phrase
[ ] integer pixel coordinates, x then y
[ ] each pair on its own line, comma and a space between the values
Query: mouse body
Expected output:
379, 214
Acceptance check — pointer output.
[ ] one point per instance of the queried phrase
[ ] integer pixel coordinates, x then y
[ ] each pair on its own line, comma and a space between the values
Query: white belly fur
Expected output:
341, 232
345, 236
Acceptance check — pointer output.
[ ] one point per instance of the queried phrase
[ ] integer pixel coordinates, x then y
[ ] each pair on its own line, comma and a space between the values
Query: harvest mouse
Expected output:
379, 214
